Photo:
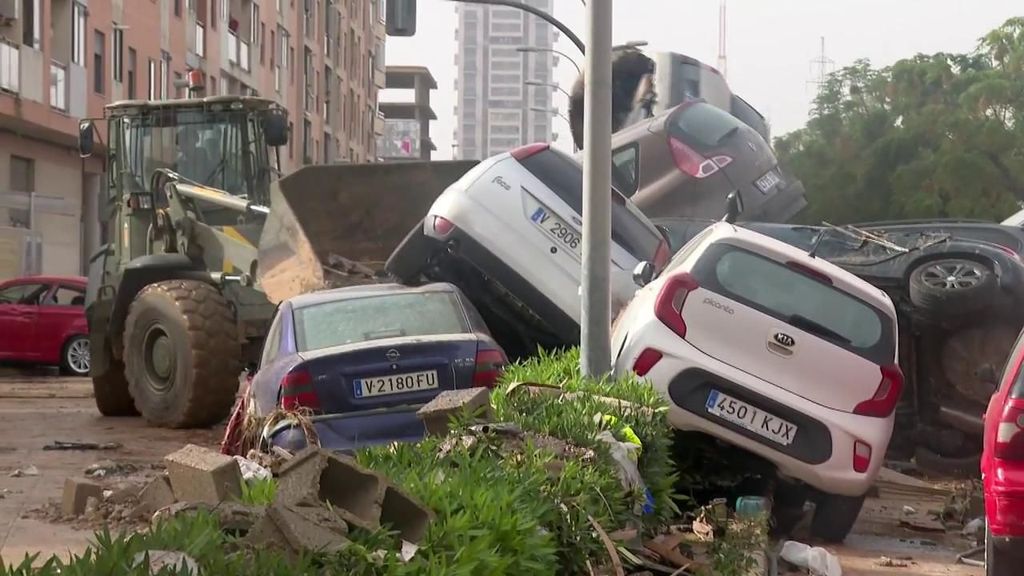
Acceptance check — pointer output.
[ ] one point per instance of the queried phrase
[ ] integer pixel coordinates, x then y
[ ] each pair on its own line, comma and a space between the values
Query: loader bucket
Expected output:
336, 225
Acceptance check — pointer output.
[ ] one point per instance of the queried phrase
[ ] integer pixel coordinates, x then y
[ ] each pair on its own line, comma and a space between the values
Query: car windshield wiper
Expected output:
809, 325
726, 136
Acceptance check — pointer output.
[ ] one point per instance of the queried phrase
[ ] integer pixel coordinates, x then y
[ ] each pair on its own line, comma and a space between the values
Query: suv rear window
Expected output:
564, 176
799, 300
703, 126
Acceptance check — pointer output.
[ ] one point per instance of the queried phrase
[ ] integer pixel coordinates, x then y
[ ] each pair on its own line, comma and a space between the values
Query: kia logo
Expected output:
784, 339
719, 305
392, 355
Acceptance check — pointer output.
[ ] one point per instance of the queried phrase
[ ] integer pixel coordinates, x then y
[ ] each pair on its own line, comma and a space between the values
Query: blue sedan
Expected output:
362, 360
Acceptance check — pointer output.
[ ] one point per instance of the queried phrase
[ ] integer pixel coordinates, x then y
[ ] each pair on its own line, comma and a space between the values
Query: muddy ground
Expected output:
38, 408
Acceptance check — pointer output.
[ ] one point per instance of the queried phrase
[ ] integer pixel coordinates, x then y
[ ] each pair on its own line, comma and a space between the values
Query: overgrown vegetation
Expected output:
259, 491
505, 503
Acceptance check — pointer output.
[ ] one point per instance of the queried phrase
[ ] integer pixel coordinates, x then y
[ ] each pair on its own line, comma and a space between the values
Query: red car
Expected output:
1002, 470
42, 321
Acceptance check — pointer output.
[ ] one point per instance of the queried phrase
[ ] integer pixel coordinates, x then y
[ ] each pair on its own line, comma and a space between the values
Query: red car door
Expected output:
19, 309
61, 315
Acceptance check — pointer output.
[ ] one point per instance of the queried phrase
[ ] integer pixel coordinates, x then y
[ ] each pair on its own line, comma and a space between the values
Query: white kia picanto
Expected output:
768, 348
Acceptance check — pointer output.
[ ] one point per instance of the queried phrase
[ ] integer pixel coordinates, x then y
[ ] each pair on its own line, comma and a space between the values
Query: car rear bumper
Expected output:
821, 455
1005, 513
349, 432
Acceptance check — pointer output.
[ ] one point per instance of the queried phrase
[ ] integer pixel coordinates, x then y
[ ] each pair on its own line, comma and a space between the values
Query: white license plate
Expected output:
556, 229
768, 181
394, 384
742, 414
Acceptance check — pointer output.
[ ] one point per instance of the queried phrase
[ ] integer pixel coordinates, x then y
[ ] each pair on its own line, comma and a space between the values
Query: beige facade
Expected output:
61, 60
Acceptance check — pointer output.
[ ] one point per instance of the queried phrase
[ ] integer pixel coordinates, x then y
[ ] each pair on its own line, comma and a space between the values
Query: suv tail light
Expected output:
661, 256
692, 163
1010, 432
489, 365
668, 306
443, 226
297, 391
524, 152
883, 403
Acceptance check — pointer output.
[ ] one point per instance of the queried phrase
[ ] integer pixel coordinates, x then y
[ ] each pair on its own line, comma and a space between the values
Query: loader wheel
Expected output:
183, 354
111, 391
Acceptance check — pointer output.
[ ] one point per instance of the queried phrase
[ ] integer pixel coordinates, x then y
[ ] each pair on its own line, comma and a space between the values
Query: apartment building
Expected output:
407, 122
497, 110
62, 60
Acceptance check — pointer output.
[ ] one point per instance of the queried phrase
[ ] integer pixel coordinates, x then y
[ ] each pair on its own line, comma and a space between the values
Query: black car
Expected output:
958, 287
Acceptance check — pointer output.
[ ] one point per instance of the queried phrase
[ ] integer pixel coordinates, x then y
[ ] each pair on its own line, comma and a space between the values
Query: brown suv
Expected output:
685, 162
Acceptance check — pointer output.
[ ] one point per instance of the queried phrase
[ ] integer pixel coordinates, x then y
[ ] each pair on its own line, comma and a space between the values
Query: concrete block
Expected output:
437, 414
317, 475
77, 492
405, 515
299, 528
156, 495
201, 475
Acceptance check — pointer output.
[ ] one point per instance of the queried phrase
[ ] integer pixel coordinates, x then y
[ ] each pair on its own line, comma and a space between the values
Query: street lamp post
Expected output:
595, 289
534, 50
547, 85
540, 110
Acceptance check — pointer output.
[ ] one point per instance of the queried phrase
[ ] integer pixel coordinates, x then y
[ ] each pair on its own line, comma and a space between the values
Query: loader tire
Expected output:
111, 391
183, 354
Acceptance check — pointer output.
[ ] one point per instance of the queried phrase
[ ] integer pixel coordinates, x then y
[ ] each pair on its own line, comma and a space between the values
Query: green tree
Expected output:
938, 135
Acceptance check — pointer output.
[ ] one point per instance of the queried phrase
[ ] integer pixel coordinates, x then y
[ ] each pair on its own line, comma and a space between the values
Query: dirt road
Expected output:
37, 410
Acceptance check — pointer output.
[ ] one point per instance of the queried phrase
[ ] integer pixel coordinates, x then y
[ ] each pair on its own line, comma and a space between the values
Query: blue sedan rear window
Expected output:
377, 317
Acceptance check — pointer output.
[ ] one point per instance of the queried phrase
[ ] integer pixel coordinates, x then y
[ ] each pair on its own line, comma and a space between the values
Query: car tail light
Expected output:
443, 226
882, 404
861, 456
811, 272
525, 152
661, 256
297, 391
1010, 432
668, 306
646, 361
690, 162
490, 363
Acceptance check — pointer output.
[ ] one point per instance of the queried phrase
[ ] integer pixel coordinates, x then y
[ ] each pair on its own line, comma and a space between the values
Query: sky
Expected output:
770, 44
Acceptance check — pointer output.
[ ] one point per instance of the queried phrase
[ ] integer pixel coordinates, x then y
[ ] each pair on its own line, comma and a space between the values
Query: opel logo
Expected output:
392, 355
784, 339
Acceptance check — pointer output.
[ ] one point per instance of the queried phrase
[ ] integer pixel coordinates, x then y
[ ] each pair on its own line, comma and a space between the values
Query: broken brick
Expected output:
201, 475
405, 515
156, 495
317, 475
437, 414
298, 528
77, 492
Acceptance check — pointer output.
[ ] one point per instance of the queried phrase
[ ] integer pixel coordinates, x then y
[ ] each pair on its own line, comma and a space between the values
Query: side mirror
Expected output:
275, 128
401, 17
86, 138
733, 207
643, 274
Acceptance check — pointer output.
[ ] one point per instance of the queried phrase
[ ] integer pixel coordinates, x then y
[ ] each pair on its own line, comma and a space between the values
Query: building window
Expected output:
307, 142
179, 91
291, 139
31, 23
117, 53
98, 59
263, 51
132, 72
152, 79
165, 76
177, 8
78, 34
23, 174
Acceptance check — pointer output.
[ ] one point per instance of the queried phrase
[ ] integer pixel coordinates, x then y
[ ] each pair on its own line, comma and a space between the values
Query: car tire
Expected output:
182, 354
834, 516
787, 506
74, 356
999, 561
973, 288
407, 263
110, 389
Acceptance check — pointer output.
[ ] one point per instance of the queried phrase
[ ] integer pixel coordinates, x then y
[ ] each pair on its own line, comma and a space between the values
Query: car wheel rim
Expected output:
158, 351
78, 356
953, 275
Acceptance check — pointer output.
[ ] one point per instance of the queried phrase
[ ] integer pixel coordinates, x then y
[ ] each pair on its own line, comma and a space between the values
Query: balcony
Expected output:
10, 58
59, 86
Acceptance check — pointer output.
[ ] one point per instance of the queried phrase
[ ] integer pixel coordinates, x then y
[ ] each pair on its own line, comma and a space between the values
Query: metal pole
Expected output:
536, 12
595, 301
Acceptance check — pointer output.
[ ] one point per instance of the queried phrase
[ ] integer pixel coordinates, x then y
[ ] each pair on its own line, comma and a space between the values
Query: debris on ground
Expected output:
105, 468
887, 562
818, 561
23, 472
63, 445
202, 475
76, 494
159, 560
